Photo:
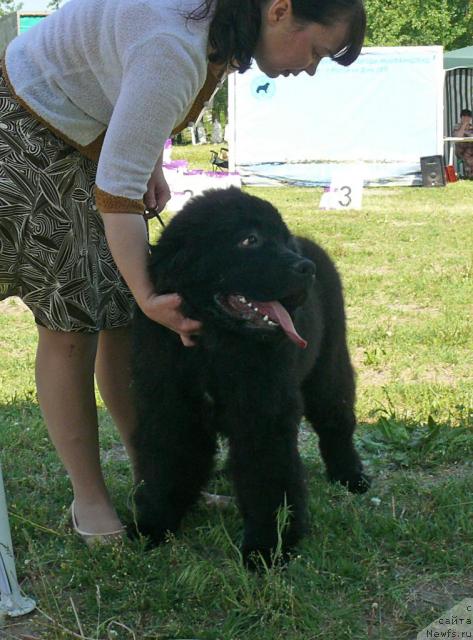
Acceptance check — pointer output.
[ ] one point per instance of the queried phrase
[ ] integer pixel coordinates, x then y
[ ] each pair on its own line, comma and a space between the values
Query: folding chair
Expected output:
219, 161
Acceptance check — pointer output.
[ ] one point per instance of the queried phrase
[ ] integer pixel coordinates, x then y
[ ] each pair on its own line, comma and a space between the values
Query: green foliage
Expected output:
419, 22
220, 105
407, 444
8, 6
54, 4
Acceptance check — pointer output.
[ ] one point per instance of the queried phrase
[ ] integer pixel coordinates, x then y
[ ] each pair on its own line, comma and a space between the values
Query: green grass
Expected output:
376, 569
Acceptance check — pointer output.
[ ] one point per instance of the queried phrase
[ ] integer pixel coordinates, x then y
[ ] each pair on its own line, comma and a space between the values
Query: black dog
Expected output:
272, 348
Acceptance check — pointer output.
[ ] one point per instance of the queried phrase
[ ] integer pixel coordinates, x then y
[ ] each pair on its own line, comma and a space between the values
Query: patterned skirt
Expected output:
53, 251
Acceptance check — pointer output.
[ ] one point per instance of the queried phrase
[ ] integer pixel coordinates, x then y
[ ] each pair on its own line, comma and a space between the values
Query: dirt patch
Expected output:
385, 478
372, 271
378, 375
373, 377
366, 375
438, 594
12, 306
431, 375
443, 474
413, 308
24, 628
426, 595
407, 223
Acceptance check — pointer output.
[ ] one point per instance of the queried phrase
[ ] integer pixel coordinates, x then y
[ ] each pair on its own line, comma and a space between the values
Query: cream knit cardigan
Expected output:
128, 70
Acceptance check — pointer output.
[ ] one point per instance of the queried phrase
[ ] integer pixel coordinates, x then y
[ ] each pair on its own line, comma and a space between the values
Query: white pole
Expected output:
231, 123
12, 602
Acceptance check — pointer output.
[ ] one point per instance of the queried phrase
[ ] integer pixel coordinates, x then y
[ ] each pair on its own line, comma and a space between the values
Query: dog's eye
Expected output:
251, 241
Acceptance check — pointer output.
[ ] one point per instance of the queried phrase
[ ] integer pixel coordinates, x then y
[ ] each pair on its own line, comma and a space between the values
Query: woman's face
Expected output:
285, 47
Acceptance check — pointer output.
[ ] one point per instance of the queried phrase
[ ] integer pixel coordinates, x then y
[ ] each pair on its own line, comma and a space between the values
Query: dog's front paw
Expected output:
356, 482
154, 535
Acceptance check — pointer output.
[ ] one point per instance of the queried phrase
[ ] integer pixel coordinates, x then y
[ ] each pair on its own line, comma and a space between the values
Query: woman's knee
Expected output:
71, 345
115, 343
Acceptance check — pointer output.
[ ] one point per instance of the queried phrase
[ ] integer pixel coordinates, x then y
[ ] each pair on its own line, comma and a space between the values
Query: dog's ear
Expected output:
166, 264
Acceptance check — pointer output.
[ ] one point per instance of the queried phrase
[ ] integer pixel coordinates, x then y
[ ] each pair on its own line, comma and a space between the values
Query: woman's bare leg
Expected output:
65, 383
113, 373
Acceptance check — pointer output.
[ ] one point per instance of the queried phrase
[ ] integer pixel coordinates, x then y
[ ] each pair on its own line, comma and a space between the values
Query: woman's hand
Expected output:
165, 310
158, 192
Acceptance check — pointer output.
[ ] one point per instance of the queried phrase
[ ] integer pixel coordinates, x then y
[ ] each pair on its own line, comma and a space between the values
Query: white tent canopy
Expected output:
459, 58
385, 110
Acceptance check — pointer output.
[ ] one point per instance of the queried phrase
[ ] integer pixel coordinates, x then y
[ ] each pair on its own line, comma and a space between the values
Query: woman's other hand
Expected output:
165, 309
158, 192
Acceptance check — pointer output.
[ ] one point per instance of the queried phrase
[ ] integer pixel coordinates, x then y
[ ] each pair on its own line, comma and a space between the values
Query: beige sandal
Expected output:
217, 500
92, 539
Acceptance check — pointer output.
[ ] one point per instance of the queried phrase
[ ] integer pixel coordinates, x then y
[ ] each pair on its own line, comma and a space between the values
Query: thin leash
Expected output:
153, 213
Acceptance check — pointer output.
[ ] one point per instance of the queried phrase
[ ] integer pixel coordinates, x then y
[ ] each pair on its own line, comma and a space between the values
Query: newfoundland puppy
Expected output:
272, 349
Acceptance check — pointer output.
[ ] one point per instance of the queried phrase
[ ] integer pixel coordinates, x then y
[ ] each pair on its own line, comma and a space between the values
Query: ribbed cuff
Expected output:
108, 203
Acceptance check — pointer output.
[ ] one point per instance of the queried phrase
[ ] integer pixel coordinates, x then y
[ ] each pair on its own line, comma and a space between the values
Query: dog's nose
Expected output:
304, 267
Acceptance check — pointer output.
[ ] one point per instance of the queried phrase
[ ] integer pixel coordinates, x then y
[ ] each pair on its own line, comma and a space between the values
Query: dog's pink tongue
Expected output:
278, 314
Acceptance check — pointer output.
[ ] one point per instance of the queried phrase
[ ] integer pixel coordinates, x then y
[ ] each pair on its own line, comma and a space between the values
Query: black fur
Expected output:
252, 384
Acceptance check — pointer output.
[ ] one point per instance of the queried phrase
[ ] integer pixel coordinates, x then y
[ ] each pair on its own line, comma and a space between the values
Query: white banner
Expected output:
386, 107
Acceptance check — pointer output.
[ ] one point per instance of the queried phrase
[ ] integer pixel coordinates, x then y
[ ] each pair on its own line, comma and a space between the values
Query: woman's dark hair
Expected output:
236, 24
465, 112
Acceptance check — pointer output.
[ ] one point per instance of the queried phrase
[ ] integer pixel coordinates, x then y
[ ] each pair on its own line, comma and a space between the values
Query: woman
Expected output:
88, 97
464, 150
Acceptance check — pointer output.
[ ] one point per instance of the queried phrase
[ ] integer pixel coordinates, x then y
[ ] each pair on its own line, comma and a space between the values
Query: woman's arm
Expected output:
127, 238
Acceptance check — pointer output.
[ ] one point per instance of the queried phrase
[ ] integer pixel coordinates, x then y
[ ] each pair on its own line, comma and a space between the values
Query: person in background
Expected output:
89, 97
464, 150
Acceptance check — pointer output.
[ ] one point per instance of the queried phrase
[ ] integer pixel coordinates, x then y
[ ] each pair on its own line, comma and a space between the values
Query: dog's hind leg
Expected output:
175, 459
329, 397
268, 477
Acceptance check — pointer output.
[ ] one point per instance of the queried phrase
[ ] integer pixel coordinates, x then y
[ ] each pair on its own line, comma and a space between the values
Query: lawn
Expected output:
379, 566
